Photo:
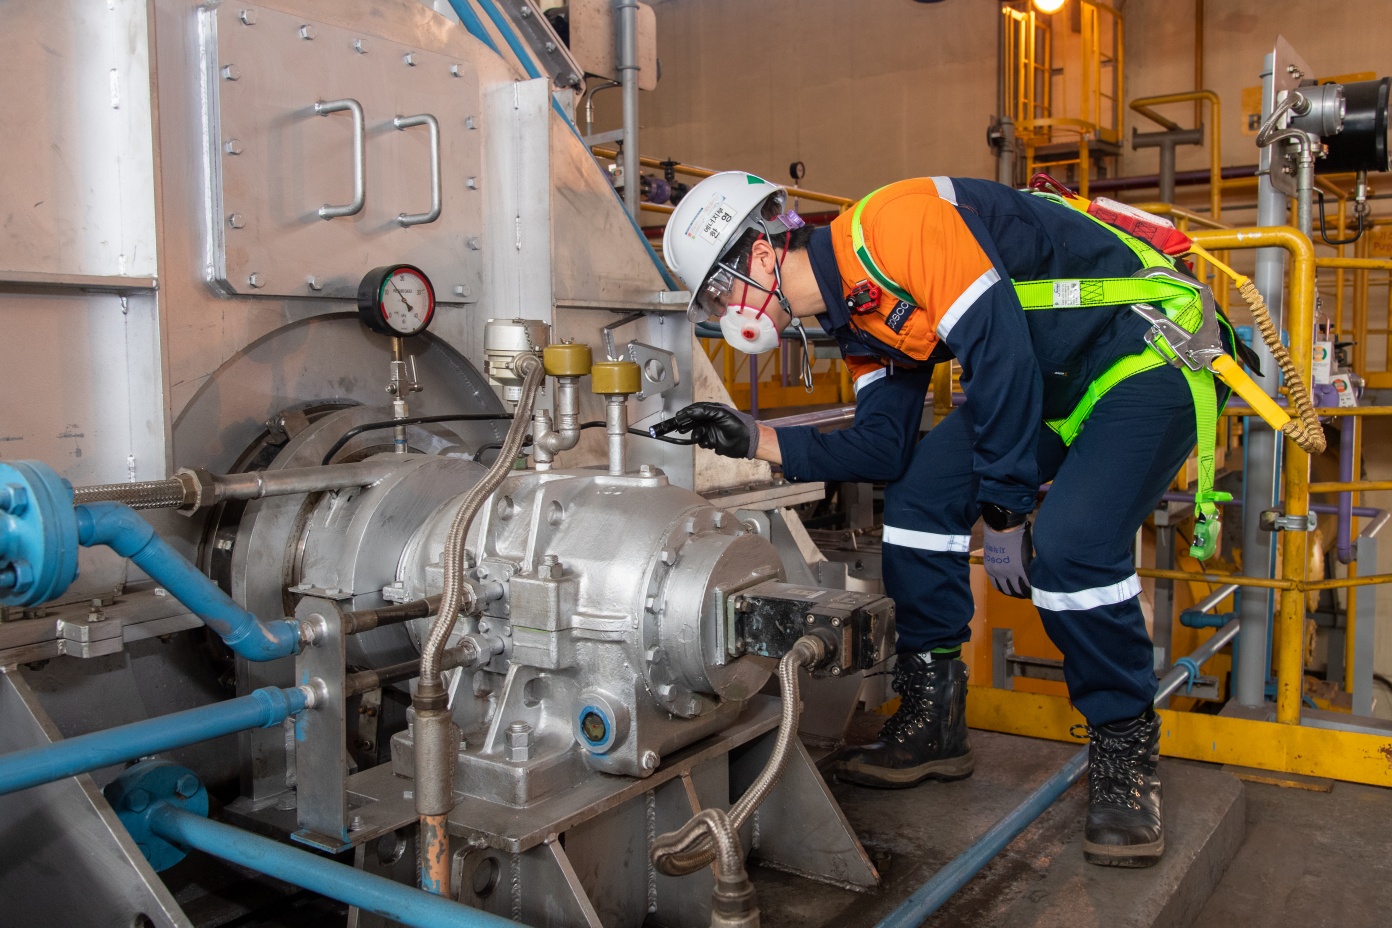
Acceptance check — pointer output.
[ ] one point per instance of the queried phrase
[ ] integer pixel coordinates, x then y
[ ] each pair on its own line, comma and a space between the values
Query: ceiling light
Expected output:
1048, 6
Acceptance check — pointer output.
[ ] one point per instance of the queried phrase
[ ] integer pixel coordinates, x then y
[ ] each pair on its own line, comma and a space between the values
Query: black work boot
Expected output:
1124, 827
927, 737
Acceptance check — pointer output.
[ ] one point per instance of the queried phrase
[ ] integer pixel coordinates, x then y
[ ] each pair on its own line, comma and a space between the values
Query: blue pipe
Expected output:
473, 24
263, 708
367, 891
931, 895
119, 527
505, 29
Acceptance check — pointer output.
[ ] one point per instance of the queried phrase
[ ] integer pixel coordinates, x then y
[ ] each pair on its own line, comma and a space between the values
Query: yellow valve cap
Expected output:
566, 360
615, 377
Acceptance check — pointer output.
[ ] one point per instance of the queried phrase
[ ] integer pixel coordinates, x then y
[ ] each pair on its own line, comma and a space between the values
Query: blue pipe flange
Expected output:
136, 791
1190, 668
38, 534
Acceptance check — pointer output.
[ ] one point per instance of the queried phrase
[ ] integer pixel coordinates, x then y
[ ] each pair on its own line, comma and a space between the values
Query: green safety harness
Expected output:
1185, 307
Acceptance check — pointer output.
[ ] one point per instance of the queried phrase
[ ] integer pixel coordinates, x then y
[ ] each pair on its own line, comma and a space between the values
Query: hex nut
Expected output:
650, 760
519, 742
231, 73
308, 32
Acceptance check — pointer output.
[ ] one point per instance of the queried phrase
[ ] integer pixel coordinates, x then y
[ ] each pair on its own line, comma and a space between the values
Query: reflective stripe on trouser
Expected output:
1104, 487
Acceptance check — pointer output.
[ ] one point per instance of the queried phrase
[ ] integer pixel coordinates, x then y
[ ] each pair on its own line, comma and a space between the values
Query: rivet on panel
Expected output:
308, 32
231, 73
314, 282
236, 220
474, 243
471, 183
360, 46
456, 70
255, 282
524, 11
233, 147
248, 17
410, 59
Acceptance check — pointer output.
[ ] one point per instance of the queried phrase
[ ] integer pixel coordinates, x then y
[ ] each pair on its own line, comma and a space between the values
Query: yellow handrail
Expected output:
1300, 325
1215, 138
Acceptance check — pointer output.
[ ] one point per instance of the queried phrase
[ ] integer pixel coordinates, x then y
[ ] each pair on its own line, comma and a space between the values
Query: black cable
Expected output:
596, 424
409, 420
1324, 230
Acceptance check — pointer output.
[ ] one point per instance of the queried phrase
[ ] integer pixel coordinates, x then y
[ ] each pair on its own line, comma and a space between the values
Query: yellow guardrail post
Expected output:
1296, 470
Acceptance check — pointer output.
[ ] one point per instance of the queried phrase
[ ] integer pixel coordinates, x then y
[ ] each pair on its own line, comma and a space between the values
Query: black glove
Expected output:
723, 429
1007, 555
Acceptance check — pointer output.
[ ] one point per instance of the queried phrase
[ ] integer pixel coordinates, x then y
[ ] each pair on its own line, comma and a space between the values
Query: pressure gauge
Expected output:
396, 300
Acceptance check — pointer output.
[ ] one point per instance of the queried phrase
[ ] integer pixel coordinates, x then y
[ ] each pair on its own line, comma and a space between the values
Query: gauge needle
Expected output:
392, 281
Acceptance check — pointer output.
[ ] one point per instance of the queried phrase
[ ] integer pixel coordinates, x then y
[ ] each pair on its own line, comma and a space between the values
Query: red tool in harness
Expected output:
1159, 233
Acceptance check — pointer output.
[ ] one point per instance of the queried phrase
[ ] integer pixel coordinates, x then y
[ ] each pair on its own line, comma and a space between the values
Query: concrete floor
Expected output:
1290, 859
1310, 860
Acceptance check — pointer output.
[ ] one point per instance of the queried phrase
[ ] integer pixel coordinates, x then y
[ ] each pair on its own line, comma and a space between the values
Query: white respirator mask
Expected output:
749, 329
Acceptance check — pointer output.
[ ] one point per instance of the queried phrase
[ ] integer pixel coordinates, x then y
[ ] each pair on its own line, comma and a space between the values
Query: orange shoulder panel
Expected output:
921, 242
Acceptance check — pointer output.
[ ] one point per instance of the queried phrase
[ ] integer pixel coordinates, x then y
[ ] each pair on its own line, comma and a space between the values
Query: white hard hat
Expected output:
709, 219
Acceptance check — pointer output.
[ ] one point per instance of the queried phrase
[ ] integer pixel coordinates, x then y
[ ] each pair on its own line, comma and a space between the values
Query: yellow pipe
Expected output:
1215, 148
1358, 486
1326, 411
1358, 264
1340, 583
1299, 323
1179, 213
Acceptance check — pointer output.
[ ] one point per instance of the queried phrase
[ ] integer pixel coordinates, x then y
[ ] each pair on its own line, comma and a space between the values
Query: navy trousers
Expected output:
1085, 586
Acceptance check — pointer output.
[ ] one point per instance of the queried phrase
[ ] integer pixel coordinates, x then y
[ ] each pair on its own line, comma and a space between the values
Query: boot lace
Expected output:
916, 705
1115, 773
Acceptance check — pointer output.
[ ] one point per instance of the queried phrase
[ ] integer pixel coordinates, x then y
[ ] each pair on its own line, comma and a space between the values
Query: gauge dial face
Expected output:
396, 300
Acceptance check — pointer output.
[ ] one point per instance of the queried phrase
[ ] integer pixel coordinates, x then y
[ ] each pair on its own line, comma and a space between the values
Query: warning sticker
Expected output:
1068, 293
712, 221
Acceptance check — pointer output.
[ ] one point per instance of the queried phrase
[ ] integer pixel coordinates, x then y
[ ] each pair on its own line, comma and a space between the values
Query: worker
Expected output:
919, 273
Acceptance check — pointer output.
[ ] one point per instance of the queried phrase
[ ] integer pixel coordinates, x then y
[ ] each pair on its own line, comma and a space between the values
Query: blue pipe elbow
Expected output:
122, 530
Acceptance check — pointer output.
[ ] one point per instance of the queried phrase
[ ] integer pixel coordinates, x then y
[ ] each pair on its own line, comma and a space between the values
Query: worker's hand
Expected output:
723, 429
1007, 557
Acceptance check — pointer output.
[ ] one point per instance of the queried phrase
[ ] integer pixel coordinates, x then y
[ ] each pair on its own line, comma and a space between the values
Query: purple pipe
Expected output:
1347, 425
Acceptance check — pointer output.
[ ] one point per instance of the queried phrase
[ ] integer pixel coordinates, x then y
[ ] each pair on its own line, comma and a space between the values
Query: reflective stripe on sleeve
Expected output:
927, 541
865, 380
1082, 600
945, 189
964, 302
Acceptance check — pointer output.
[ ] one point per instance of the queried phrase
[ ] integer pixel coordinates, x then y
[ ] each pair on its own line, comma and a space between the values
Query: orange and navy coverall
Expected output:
955, 245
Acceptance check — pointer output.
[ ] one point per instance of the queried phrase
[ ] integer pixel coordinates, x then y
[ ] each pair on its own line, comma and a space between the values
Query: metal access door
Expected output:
331, 151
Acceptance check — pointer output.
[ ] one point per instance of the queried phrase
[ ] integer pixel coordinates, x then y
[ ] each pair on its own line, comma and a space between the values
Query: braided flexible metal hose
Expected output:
1304, 428
456, 591
690, 847
148, 494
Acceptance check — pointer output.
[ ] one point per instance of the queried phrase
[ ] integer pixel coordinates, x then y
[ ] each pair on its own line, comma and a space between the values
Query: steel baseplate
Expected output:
581, 857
